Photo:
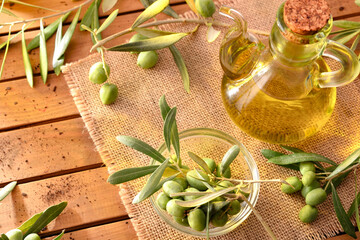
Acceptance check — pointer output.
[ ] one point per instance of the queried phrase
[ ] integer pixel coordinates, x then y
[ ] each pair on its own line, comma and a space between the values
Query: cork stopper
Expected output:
306, 17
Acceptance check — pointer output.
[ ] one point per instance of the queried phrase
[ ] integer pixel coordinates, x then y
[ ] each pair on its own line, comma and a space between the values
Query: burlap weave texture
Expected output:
136, 113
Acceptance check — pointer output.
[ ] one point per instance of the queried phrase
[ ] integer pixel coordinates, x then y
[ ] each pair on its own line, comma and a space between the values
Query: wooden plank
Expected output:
46, 150
344, 237
339, 9
25, 12
112, 231
79, 46
90, 200
20, 104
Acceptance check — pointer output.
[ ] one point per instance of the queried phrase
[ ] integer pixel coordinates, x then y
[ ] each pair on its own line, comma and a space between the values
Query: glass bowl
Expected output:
211, 143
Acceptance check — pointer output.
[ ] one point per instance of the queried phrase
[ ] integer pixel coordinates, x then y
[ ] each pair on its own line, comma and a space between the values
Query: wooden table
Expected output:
44, 143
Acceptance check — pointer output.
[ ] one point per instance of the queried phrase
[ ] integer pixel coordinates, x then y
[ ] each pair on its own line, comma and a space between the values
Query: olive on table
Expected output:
108, 93
306, 189
182, 221
192, 197
316, 197
14, 234
175, 210
234, 207
170, 187
308, 178
182, 181
219, 219
147, 59
306, 166
135, 38
97, 73
197, 219
210, 163
162, 199
308, 214
32, 236
205, 8
193, 179
295, 182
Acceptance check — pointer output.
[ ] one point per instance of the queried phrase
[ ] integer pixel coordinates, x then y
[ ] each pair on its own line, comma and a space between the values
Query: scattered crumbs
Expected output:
15, 103
61, 133
54, 89
48, 85
341, 8
24, 194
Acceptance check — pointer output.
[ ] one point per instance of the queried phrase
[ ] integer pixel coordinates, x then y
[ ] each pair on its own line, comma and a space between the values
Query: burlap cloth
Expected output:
136, 113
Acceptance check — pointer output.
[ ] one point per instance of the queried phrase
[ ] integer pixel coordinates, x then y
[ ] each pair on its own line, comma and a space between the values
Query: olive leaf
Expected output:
150, 33
291, 149
207, 221
202, 179
26, 59
60, 235
154, 9
199, 161
267, 153
345, 164
58, 62
355, 43
6, 51
108, 4
46, 217
168, 124
8, 12
164, 107
346, 38
168, 10
351, 210
43, 54
204, 199
7, 190
4, 237
150, 44
300, 157
161, 183
95, 24
151, 183
346, 24
48, 32
175, 141
26, 225
129, 174
336, 182
191, 4
212, 34
180, 63
108, 21
88, 17
357, 218
229, 157
341, 214
141, 147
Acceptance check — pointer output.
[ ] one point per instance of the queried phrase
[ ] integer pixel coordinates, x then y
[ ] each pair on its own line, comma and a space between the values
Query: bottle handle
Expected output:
349, 70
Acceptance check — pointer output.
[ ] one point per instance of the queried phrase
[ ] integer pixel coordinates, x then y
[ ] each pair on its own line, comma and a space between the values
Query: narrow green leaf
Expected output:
202, 179
191, 4
207, 221
6, 51
345, 164
200, 162
150, 44
43, 54
347, 38
26, 59
7, 190
341, 214
8, 12
57, 69
88, 17
355, 43
4, 237
60, 51
32, 5
108, 21
58, 62
180, 63
168, 124
212, 34
168, 10
300, 157
267, 153
26, 225
129, 174
164, 107
145, 3
150, 33
349, 30
49, 214
48, 32
351, 210
292, 149
346, 24
357, 217
229, 157
151, 183
150, 12
141, 147
60, 235
161, 183
176, 141
95, 24
342, 35
336, 182
204, 199
108, 4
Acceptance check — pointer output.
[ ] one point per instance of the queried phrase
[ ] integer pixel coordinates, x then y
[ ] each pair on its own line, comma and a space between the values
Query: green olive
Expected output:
316, 197
97, 73
193, 179
227, 173
219, 219
175, 210
147, 59
217, 198
306, 189
182, 181
308, 178
218, 205
210, 163
197, 219
14, 234
32, 236
162, 199
204, 207
182, 221
192, 197
234, 207
170, 187
295, 182
205, 8
108, 93
308, 214
306, 166
135, 38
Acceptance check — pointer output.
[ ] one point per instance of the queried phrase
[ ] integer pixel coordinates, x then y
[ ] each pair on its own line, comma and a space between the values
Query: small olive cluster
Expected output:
147, 59
97, 74
310, 189
220, 208
16, 234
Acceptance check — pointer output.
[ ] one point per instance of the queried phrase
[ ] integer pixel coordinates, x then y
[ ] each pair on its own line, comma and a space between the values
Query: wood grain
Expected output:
90, 200
112, 231
344, 237
46, 150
